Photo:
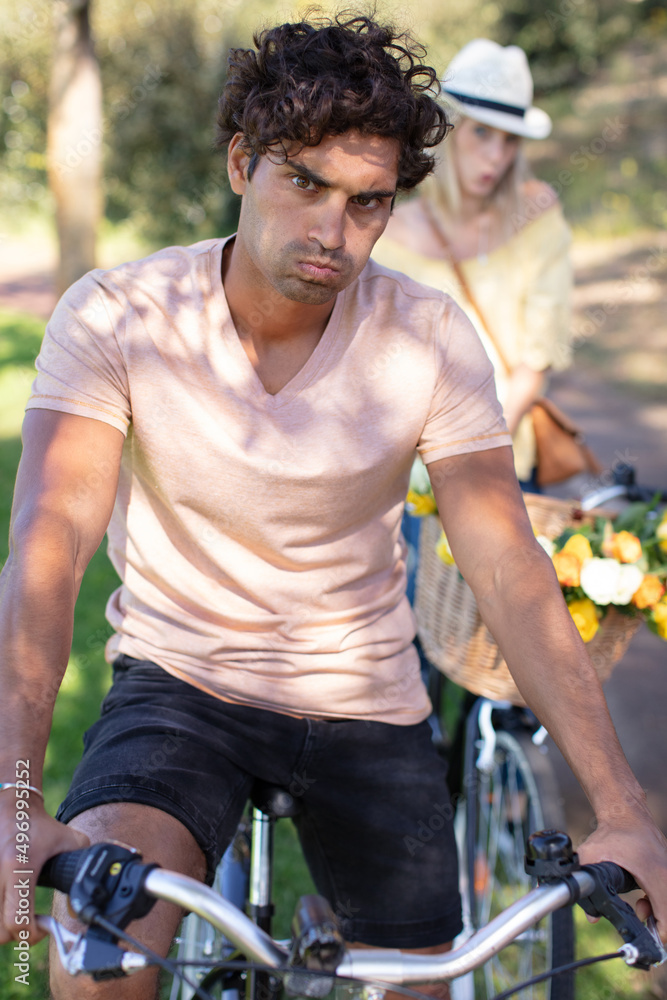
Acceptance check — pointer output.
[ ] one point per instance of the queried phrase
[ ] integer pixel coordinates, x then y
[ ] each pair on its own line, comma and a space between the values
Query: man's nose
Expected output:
328, 226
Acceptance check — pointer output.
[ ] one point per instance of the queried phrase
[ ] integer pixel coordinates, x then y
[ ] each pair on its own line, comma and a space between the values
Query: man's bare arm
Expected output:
64, 496
521, 602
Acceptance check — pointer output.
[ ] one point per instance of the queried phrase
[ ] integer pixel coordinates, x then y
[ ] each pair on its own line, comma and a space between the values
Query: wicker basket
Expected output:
453, 635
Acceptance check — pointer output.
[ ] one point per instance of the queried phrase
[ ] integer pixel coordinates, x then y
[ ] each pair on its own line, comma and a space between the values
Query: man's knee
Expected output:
160, 838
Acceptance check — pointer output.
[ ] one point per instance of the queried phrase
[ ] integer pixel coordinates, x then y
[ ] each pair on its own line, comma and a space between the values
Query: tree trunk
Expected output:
74, 147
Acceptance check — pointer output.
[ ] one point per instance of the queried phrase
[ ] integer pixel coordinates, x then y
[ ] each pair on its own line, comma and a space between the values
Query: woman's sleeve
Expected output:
548, 299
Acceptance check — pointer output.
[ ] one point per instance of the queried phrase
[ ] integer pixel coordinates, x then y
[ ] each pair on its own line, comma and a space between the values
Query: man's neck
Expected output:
260, 313
277, 334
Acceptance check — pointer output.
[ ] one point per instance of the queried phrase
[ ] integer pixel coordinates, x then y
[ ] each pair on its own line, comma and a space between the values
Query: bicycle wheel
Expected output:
517, 795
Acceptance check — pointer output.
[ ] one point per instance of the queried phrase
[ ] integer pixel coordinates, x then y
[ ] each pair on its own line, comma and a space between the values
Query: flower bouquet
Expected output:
612, 572
620, 562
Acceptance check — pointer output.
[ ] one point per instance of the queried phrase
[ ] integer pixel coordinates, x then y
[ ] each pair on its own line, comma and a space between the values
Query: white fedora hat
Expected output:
493, 85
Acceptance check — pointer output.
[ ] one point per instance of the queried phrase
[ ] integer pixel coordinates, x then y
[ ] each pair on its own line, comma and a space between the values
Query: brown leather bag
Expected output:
561, 449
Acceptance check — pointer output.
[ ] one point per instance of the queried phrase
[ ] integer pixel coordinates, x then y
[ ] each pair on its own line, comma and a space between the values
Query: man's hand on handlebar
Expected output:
633, 840
18, 878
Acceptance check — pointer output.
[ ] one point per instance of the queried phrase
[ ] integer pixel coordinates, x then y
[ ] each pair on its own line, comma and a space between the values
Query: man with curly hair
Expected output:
240, 416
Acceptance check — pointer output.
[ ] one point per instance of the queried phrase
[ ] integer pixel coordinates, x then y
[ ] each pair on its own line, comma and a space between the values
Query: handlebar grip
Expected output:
616, 878
60, 871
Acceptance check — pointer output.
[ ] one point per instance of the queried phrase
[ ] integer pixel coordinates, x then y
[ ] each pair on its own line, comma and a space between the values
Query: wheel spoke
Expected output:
507, 808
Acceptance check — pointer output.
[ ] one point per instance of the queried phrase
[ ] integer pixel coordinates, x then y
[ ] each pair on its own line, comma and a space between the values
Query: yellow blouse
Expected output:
523, 289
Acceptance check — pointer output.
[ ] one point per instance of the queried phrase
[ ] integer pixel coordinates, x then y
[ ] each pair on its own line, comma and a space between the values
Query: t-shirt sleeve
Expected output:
465, 414
80, 367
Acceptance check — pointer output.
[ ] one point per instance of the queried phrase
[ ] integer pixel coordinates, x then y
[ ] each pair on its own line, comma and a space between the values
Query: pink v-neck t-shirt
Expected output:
257, 536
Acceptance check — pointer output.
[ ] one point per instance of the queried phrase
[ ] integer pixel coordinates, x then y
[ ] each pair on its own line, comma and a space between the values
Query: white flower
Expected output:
419, 481
606, 581
546, 543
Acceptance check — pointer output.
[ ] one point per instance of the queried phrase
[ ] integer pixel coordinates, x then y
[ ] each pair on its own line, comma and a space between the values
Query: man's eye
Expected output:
366, 202
301, 182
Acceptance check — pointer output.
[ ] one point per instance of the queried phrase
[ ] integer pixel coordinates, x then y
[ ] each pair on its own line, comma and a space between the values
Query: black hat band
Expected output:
479, 102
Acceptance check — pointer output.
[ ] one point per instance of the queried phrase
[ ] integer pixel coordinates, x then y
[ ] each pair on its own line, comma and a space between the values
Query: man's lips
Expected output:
318, 269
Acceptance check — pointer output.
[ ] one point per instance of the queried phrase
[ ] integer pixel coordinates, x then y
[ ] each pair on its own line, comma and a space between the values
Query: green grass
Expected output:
87, 678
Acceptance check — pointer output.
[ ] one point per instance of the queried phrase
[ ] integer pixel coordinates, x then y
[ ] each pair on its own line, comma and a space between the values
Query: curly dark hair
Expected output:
325, 76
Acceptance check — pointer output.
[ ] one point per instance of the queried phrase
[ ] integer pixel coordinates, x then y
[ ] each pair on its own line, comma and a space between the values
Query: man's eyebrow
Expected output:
314, 178
303, 170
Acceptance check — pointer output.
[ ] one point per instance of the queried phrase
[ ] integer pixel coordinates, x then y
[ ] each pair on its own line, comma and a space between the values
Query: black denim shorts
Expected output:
376, 819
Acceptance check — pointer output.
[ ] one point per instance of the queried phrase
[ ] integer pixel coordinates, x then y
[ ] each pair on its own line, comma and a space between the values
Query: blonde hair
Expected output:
443, 192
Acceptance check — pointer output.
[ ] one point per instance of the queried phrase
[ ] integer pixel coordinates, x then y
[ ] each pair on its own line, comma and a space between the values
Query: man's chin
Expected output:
309, 293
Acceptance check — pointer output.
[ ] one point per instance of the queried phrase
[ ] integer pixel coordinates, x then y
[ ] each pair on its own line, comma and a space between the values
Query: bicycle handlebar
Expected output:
94, 876
617, 879
60, 871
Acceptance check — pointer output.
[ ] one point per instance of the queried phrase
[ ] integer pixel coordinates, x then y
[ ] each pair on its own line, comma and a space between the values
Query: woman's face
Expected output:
483, 155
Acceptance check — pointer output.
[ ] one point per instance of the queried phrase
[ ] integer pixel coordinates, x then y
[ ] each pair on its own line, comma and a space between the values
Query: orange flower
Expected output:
649, 592
625, 547
567, 569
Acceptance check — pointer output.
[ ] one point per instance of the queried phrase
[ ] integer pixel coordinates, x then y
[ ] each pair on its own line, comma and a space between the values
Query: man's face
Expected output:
307, 226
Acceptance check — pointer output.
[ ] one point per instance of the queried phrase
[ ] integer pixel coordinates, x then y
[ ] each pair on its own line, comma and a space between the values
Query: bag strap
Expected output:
465, 287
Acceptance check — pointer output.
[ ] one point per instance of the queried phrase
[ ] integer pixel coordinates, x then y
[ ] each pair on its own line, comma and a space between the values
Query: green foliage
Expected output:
24, 69
163, 65
161, 87
566, 40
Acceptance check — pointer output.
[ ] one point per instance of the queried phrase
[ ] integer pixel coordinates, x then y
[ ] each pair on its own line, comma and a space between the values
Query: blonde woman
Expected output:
489, 234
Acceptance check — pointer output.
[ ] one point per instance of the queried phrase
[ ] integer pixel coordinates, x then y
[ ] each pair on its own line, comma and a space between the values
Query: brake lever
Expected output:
70, 947
643, 947
550, 858
652, 927
86, 953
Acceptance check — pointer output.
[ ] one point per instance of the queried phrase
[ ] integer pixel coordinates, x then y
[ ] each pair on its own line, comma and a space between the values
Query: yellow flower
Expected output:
568, 569
649, 592
584, 617
444, 551
579, 546
662, 533
660, 617
420, 504
626, 547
